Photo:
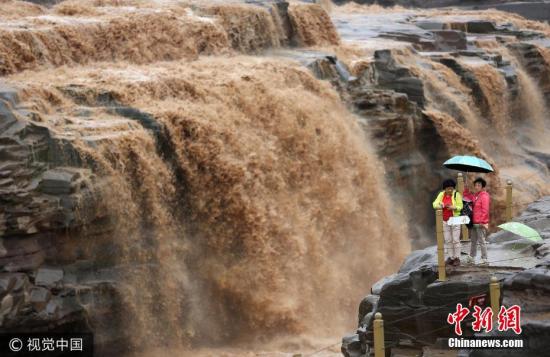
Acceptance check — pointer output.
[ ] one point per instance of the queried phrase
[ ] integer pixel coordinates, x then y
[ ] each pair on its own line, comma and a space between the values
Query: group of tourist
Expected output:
453, 204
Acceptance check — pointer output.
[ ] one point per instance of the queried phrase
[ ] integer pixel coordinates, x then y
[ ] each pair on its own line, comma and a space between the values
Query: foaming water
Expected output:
533, 104
458, 139
78, 41
313, 25
81, 32
282, 206
530, 105
495, 96
446, 92
148, 240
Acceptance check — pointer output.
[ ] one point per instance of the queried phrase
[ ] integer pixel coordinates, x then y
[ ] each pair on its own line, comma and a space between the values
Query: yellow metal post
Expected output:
378, 327
460, 188
460, 183
508, 201
465, 234
494, 289
440, 244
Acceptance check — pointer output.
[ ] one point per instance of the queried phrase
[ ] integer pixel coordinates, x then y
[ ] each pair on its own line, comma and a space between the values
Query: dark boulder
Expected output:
351, 346
49, 277
392, 76
415, 305
59, 181
450, 40
367, 305
480, 26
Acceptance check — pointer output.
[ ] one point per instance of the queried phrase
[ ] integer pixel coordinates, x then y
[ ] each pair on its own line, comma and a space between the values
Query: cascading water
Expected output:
279, 197
495, 91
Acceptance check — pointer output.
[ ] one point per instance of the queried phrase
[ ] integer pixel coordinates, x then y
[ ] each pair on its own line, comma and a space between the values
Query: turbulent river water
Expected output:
252, 204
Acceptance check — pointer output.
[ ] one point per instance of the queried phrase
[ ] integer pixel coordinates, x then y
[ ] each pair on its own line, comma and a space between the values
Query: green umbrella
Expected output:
522, 230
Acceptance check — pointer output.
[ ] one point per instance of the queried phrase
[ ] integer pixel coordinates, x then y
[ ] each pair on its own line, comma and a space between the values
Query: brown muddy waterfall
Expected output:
269, 194
221, 174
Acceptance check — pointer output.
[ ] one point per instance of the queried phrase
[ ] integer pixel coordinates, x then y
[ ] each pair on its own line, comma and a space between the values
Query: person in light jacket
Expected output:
450, 201
482, 204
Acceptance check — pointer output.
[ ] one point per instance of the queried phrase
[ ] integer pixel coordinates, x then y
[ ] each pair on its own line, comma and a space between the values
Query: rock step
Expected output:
63, 180
13, 153
97, 126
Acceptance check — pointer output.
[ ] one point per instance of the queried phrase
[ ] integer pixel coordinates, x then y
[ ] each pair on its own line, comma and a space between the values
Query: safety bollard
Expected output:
460, 188
509, 201
494, 290
378, 327
440, 244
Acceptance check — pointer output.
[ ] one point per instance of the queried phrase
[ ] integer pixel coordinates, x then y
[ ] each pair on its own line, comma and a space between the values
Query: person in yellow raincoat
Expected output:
450, 201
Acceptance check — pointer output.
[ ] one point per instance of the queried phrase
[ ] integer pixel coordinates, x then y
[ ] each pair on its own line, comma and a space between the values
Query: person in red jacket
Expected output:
482, 204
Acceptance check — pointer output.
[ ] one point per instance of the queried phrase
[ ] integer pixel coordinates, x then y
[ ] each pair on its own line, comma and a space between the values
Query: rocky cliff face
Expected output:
56, 229
415, 305
449, 85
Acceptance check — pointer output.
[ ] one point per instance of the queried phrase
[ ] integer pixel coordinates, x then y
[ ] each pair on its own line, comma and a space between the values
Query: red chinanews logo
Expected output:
508, 318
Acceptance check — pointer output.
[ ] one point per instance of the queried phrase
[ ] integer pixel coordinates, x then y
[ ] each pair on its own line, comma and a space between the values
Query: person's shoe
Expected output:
456, 262
484, 261
449, 261
469, 260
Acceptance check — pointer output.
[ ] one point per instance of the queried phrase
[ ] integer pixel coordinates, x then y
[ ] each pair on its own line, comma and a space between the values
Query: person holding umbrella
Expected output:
481, 199
450, 201
482, 203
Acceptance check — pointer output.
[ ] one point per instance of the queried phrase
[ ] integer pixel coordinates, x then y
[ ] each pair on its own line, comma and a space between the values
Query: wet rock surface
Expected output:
415, 305
44, 201
391, 76
390, 96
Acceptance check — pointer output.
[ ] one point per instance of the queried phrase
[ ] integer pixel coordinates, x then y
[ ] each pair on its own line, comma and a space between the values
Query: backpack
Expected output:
467, 210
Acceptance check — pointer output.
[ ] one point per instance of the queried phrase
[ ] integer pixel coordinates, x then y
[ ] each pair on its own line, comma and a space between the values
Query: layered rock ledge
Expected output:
415, 305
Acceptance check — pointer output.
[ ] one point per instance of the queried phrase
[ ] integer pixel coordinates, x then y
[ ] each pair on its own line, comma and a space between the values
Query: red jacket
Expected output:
482, 202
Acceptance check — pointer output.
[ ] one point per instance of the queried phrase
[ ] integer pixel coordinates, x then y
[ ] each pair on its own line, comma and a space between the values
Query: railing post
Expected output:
494, 290
509, 186
460, 189
440, 244
460, 183
378, 327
